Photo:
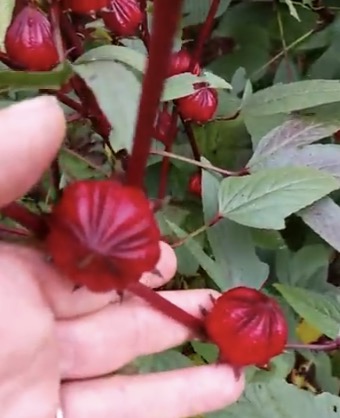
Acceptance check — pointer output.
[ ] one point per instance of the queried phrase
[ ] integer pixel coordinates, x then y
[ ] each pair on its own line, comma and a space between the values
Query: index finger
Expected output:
31, 134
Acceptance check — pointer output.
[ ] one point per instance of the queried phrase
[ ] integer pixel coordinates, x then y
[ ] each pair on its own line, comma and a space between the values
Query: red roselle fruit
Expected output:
29, 42
103, 235
337, 136
195, 184
84, 6
180, 63
247, 326
162, 126
200, 106
123, 17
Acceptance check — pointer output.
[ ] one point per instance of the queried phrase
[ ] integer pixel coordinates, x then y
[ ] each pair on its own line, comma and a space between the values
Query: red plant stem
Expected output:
204, 34
71, 36
63, 98
24, 217
56, 176
165, 21
190, 134
55, 12
166, 307
145, 29
171, 135
198, 231
329, 346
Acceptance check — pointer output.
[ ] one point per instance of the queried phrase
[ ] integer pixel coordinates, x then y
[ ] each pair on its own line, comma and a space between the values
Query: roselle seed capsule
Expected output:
123, 17
29, 41
200, 106
103, 235
180, 63
84, 6
162, 126
248, 327
195, 184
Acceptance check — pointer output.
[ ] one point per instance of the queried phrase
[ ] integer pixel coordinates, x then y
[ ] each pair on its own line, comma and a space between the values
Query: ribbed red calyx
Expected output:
248, 327
29, 42
195, 184
180, 63
162, 126
200, 106
123, 17
84, 6
103, 235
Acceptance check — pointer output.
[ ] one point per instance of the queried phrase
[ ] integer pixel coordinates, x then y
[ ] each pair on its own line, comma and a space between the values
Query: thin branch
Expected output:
226, 173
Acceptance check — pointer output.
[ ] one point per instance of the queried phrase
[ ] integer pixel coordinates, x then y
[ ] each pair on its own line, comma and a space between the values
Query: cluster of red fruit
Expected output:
102, 234
30, 45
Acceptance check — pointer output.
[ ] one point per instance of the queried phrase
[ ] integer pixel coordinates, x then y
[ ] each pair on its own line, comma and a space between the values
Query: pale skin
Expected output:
50, 334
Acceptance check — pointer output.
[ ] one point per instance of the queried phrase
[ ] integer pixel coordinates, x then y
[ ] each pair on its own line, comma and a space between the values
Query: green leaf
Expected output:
209, 352
292, 9
179, 85
323, 157
278, 399
161, 362
319, 310
215, 81
187, 264
307, 267
207, 264
182, 85
122, 54
323, 217
6, 12
285, 98
117, 91
280, 367
196, 11
266, 198
231, 244
21, 80
295, 132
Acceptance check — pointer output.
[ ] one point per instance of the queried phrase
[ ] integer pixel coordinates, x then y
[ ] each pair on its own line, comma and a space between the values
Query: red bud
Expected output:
195, 184
248, 327
103, 235
124, 17
180, 63
29, 41
200, 106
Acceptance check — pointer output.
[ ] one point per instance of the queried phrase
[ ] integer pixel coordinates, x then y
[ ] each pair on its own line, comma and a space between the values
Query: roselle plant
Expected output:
185, 124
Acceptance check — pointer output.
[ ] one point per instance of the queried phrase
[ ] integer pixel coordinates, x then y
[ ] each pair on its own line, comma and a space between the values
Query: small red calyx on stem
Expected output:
84, 6
195, 184
248, 327
103, 235
162, 126
29, 41
123, 17
200, 106
181, 63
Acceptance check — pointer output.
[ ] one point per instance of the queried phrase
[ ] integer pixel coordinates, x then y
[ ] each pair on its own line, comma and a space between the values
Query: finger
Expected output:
31, 133
67, 303
174, 394
29, 371
101, 343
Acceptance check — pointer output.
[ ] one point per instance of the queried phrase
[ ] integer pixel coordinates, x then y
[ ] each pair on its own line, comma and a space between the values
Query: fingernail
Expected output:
34, 105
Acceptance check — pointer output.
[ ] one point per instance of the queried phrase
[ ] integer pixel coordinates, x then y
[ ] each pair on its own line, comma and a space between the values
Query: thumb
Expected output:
29, 369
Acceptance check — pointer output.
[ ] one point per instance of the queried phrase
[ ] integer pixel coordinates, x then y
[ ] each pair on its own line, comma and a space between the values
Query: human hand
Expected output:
52, 334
